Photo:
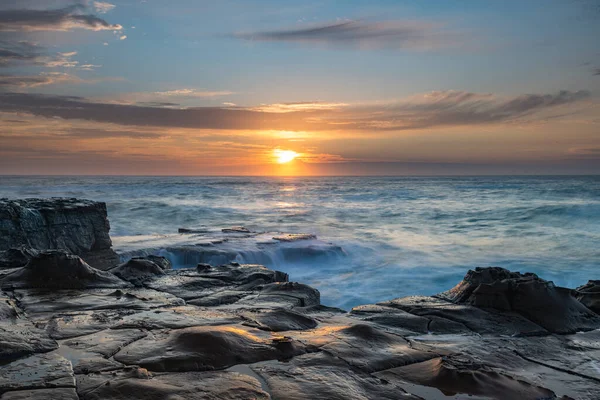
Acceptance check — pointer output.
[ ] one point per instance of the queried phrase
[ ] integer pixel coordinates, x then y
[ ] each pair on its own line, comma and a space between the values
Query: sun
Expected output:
284, 156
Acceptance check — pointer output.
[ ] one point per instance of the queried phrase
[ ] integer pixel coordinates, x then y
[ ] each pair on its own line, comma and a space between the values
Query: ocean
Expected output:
398, 236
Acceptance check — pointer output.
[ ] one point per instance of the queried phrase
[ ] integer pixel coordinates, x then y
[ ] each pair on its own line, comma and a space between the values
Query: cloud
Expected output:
168, 98
43, 79
27, 53
18, 52
103, 7
415, 35
432, 110
192, 93
299, 106
62, 19
451, 108
46, 79
122, 37
597, 72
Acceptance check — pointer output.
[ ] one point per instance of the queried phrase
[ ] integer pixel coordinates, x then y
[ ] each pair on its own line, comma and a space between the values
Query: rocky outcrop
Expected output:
589, 295
57, 269
78, 226
541, 302
137, 270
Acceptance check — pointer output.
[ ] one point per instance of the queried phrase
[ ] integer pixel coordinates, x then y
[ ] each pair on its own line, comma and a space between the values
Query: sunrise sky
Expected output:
311, 87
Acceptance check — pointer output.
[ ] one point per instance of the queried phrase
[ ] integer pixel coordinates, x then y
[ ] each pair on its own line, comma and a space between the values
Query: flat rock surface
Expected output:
242, 331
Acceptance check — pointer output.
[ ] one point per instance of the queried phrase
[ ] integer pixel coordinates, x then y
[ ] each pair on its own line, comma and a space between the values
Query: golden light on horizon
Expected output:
284, 156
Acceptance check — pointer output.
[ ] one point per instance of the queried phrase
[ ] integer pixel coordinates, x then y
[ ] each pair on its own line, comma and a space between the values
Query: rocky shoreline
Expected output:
77, 323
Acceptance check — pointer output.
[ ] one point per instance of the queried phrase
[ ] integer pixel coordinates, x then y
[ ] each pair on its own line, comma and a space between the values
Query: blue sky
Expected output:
352, 60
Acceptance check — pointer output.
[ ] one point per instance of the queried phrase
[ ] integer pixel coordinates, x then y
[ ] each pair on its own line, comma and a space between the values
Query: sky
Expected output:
311, 87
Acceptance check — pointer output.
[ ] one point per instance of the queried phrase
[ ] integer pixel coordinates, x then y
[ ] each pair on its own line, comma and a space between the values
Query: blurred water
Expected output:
401, 235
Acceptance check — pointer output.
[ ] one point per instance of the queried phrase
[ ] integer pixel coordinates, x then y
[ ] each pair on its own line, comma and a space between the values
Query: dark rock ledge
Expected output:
140, 330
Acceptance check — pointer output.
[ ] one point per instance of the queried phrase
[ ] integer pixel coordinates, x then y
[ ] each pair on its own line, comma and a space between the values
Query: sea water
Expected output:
399, 235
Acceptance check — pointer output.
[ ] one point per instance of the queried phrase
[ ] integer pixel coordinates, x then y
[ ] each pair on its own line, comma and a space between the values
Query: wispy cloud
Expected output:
27, 53
192, 93
46, 79
43, 79
103, 7
18, 52
63, 19
597, 72
432, 110
415, 35
299, 106
452, 108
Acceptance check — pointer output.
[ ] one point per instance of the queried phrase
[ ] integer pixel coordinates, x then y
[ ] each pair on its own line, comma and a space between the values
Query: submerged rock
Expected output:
78, 226
57, 269
235, 229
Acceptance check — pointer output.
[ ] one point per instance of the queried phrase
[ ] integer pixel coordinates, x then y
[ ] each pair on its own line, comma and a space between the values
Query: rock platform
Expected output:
139, 329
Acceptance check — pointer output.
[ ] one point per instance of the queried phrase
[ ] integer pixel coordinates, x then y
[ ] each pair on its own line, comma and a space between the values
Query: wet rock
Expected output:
294, 237
371, 350
589, 295
176, 317
193, 284
392, 317
78, 226
447, 317
188, 230
298, 294
280, 320
321, 376
235, 229
137, 270
219, 298
161, 261
106, 343
16, 257
66, 325
136, 384
87, 363
461, 375
21, 338
203, 349
57, 269
551, 307
37, 372
42, 394
42, 304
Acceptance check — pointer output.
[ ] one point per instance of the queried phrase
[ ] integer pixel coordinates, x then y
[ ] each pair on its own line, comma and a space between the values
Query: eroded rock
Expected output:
140, 384
16, 257
204, 349
78, 226
460, 375
37, 372
551, 307
279, 320
137, 270
57, 269
589, 295
321, 376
